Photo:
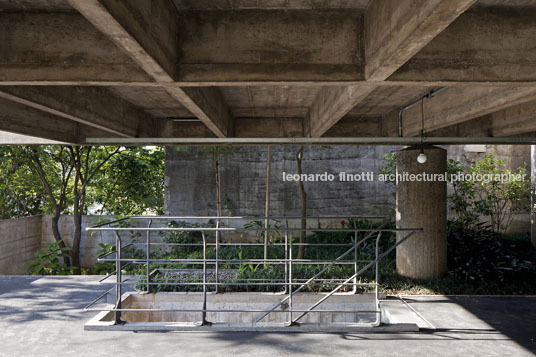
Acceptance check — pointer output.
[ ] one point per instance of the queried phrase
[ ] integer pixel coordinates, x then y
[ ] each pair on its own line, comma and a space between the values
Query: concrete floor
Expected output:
42, 316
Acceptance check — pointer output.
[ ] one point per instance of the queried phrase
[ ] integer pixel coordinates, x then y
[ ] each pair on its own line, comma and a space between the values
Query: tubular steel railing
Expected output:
290, 285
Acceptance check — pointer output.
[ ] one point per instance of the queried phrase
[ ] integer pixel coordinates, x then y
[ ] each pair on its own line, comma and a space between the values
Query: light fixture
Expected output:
421, 159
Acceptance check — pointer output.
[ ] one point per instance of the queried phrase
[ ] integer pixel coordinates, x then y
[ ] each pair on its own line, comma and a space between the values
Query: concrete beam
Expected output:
388, 45
357, 127
283, 128
457, 105
515, 120
275, 45
396, 30
20, 119
173, 129
60, 47
479, 127
482, 45
330, 105
145, 30
92, 106
148, 32
208, 105
308, 47
269, 127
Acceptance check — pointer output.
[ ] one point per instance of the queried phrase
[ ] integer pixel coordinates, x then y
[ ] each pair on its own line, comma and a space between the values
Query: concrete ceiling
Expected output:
72, 70
36, 5
270, 4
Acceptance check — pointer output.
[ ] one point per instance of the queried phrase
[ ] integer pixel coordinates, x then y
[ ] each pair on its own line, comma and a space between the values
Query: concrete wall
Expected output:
89, 243
19, 239
191, 188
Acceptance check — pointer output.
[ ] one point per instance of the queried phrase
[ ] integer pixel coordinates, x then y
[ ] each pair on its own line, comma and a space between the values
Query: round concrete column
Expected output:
422, 204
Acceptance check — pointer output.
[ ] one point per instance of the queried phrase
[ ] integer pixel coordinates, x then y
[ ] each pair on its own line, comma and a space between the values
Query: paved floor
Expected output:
40, 316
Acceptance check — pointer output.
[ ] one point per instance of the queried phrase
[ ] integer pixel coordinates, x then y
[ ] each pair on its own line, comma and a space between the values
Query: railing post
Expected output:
377, 262
286, 264
376, 280
148, 270
117, 314
354, 290
217, 265
290, 279
266, 240
204, 313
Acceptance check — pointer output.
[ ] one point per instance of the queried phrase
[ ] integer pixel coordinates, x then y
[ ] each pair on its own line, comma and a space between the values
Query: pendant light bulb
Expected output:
421, 159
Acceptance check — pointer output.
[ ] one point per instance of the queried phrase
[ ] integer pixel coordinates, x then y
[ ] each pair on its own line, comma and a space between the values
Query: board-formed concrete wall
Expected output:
19, 239
191, 187
89, 243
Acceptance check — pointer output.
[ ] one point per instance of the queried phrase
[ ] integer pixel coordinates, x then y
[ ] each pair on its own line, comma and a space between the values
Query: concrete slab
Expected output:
42, 316
179, 311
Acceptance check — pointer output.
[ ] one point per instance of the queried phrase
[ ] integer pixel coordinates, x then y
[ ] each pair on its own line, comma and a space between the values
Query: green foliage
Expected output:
132, 183
486, 194
47, 261
482, 256
389, 166
128, 183
104, 267
500, 200
489, 196
462, 200
21, 191
182, 237
274, 236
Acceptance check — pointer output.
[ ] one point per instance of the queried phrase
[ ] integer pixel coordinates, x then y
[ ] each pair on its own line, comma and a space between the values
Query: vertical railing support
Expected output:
148, 270
117, 314
217, 264
356, 267
290, 290
377, 280
204, 313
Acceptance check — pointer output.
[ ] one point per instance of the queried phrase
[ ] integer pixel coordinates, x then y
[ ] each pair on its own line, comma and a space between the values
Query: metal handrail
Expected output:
290, 284
271, 218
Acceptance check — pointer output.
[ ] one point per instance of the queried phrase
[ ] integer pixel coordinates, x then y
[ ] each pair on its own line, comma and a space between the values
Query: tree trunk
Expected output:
75, 251
301, 250
57, 234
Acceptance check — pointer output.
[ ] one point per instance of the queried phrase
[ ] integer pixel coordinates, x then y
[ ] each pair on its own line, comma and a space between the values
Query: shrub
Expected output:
47, 261
182, 237
482, 255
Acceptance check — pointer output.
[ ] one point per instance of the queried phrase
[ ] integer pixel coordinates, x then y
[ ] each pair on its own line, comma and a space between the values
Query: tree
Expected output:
53, 165
463, 198
499, 194
60, 180
133, 183
65, 172
21, 192
487, 189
